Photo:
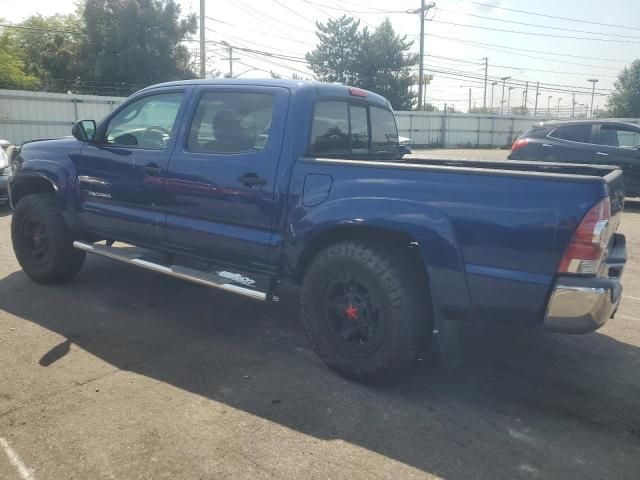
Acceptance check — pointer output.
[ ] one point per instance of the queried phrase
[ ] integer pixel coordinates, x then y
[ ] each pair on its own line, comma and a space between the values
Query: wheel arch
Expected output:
344, 232
425, 230
27, 184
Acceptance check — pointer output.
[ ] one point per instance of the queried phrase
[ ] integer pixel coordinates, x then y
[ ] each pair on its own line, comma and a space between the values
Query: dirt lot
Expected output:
124, 374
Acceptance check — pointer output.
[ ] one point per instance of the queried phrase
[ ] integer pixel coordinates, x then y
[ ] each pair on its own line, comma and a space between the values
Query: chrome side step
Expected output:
178, 271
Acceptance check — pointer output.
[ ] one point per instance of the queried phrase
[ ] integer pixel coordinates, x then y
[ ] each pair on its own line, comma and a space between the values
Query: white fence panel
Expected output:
31, 115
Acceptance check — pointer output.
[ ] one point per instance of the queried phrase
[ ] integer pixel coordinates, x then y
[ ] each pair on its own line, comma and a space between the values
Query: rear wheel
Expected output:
366, 310
42, 242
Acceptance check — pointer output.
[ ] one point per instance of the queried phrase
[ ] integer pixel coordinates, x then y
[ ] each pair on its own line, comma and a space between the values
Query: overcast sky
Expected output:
286, 27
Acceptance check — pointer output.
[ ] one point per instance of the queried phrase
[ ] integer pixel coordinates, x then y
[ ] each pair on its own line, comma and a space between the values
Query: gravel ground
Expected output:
124, 374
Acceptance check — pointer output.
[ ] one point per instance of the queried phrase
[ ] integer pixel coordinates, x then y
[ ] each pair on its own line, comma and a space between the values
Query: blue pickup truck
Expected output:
244, 185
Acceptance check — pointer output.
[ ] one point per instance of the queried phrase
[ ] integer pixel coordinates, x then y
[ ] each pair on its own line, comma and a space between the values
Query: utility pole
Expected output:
504, 79
493, 84
573, 106
535, 108
509, 100
486, 69
469, 100
559, 100
593, 91
424, 8
231, 58
526, 94
203, 57
548, 102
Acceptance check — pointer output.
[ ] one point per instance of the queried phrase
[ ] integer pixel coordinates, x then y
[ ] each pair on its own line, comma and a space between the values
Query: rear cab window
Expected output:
573, 133
353, 130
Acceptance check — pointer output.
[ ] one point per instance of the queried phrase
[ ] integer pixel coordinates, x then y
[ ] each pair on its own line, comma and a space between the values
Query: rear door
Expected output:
619, 145
221, 180
569, 143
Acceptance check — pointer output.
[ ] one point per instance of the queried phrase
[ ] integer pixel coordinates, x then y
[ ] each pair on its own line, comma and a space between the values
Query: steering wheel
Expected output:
155, 136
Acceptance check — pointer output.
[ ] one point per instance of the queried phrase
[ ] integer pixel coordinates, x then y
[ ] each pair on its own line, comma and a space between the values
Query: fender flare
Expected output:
419, 222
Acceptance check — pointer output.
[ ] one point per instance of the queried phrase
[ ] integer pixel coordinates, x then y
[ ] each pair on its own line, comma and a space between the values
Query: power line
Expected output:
373, 11
552, 16
262, 32
260, 16
537, 25
537, 34
493, 46
521, 69
297, 14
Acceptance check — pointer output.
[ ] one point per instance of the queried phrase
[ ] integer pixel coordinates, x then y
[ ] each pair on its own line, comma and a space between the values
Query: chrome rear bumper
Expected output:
584, 304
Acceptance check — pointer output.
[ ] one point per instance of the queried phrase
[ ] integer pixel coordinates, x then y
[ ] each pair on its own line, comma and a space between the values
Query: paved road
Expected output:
123, 374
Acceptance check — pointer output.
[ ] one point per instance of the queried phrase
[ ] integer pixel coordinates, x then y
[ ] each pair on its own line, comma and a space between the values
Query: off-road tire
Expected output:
58, 261
398, 287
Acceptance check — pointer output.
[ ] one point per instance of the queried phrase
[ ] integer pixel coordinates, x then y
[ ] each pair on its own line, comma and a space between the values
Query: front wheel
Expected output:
42, 242
366, 310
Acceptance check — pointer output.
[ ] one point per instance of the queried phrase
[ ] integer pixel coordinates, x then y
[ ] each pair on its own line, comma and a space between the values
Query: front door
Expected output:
120, 174
221, 179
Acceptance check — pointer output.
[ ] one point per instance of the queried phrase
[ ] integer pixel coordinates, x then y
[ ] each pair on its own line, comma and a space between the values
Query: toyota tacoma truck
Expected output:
244, 185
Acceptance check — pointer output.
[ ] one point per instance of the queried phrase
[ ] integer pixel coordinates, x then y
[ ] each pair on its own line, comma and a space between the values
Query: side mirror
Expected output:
84, 130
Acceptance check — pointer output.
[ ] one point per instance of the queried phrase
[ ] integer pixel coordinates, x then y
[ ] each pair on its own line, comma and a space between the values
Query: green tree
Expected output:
135, 42
625, 99
379, 61
384, 63
339, 45
12, 68
49, 46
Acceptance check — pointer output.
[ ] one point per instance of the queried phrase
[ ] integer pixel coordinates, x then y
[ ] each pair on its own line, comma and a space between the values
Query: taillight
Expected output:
588, 245
518, 144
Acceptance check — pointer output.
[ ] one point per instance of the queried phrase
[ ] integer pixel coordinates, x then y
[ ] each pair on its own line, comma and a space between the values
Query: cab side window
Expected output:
384, 133
330, 128
145, 123
231, 122
346, 129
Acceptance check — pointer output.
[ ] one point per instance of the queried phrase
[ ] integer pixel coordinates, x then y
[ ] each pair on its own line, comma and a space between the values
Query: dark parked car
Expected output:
587, 141
4, 170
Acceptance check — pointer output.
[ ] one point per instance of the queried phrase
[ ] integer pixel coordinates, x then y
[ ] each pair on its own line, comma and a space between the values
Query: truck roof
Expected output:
322, 89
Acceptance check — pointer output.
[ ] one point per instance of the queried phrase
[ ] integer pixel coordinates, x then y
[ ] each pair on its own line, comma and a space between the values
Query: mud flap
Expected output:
448, 342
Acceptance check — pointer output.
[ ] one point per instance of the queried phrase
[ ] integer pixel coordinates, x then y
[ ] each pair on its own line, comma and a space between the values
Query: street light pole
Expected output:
559, 100
504, 79
203, 57
509, 100
593, 91
548, 108
486, 68
493, 84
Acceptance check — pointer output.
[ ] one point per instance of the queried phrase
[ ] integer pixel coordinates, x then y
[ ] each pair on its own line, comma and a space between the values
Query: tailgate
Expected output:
615, 182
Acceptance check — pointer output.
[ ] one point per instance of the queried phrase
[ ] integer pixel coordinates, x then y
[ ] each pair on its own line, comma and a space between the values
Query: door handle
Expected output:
602, 153
252, 179
152, 169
